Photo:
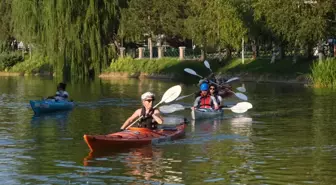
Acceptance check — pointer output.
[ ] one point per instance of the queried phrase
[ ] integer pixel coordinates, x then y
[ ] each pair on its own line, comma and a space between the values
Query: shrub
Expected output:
324, 74
8, 60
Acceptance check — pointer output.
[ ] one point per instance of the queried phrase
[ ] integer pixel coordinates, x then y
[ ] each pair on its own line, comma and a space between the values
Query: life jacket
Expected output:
147, 120
205, 102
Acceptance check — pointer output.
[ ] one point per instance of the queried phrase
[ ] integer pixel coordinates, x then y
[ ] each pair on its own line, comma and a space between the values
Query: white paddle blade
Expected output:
245, 105
241, 89
206, 63
177, 107
190, 71
238, 109
166, 109
241, 96
171, 94
232, 79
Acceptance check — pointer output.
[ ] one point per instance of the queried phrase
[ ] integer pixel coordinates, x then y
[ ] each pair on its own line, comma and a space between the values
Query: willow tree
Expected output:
214, 23
149, 18
5, 23
300, 22
74, 34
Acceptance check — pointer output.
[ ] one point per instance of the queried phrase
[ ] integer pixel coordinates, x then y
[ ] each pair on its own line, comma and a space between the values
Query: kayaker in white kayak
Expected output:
61, 94
205, 100
150, 117
213, 92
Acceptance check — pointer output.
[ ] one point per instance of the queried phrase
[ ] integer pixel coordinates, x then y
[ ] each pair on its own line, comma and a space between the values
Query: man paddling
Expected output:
150, 117
205, 100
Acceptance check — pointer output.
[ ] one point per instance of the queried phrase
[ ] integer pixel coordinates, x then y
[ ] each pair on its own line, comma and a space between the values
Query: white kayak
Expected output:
206, 113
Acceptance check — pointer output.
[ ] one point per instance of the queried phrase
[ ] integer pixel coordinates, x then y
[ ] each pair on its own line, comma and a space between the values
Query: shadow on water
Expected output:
60, 117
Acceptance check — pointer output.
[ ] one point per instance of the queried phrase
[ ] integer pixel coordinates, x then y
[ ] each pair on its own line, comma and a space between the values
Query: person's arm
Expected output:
220, 100
214, 102
196, 102
157, 116
66, 94
131, 119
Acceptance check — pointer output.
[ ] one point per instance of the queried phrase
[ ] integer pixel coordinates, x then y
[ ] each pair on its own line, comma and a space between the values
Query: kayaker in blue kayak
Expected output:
150, 117
213, 92
61, 94
205, 100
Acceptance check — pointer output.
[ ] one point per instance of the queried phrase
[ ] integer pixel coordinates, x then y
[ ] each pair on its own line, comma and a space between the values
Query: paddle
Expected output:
170, 95
207, 65
238, 108
182, 97
232, 79
241, 89
238, 95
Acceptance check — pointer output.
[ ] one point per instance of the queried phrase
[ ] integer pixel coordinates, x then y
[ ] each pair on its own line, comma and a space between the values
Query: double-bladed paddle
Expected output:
170, 95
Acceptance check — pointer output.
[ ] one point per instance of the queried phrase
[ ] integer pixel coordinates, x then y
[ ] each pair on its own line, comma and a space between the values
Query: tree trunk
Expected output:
320, 52
254, 50
204, 50
150, 47
243, 51
281, 51
309, 51
228, 53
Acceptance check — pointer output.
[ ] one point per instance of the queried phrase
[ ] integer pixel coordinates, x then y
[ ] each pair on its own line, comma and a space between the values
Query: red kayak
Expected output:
134, 137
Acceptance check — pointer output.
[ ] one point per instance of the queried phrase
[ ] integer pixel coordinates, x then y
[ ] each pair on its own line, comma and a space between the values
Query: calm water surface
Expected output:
287, 138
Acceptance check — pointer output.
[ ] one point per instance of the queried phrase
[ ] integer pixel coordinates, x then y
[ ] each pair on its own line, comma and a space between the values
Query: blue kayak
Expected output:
50, 105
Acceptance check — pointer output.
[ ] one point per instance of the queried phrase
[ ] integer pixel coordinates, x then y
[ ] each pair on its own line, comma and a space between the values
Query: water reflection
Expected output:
60, 117
146, 163
241, 125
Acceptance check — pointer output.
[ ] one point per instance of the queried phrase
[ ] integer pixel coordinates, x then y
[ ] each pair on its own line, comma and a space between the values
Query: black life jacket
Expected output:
147, 120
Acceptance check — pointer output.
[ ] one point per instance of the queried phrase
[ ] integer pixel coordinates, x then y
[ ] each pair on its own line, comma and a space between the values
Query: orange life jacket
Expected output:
205, 102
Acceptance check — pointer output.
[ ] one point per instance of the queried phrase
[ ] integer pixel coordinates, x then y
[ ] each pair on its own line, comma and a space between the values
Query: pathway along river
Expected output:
287, 138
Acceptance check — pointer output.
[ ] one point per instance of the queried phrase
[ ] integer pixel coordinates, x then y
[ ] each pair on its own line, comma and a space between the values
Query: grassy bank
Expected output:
155, 66
321, 75
174, 66
324, 74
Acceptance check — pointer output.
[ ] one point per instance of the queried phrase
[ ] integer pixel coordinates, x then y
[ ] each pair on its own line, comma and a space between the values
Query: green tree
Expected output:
149, 18
74, 34
5, 22
214, 23
299, 22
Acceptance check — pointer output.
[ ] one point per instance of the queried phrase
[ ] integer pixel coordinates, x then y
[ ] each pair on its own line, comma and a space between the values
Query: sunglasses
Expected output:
149, 100
212, 89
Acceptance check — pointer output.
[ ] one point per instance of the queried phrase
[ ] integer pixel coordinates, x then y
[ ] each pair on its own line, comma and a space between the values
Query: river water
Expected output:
287, 138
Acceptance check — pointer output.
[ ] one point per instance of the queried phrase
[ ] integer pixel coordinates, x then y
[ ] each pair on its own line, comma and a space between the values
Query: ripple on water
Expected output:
214, 180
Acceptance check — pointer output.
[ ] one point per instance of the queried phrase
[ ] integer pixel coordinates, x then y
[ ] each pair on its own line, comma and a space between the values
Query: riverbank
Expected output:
260, 70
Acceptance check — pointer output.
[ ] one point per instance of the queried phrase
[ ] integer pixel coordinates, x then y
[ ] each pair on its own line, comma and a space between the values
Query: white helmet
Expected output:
147, 95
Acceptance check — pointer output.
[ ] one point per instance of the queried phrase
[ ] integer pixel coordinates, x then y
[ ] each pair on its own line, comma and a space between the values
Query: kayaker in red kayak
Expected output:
205, 100
151, 117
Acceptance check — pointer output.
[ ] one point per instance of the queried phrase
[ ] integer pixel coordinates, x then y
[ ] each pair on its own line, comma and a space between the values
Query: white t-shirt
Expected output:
61, 95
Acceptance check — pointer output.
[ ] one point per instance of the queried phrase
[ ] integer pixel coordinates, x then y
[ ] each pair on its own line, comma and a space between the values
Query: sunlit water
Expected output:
287, 138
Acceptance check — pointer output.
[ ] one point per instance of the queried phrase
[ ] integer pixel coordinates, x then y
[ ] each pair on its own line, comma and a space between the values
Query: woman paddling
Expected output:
150, 117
